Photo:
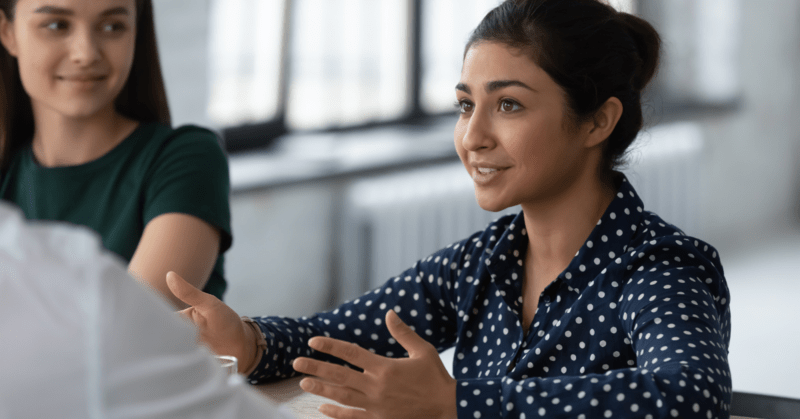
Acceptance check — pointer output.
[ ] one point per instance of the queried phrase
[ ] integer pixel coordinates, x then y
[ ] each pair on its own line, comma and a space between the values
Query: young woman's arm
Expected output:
175, 242
185, 212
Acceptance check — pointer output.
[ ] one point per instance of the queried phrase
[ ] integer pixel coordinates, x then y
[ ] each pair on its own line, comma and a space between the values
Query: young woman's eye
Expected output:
507, 105
112, 27
464, 106
56, 25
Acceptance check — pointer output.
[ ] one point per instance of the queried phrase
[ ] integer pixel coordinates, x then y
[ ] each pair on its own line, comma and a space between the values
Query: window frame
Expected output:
260, 135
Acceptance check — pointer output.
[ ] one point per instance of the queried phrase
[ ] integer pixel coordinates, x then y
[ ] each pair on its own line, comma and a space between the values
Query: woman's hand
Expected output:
221, 329
415, 387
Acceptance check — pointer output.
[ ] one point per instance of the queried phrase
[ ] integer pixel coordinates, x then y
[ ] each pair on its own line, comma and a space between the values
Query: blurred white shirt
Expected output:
79, 338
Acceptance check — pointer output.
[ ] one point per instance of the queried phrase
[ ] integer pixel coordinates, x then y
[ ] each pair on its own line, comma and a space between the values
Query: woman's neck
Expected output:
559, 227
60, 141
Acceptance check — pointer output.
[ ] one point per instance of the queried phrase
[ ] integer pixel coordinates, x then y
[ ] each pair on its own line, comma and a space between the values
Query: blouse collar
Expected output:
608, 241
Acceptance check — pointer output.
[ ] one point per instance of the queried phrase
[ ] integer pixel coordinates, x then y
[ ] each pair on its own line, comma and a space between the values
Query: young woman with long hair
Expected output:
85, 138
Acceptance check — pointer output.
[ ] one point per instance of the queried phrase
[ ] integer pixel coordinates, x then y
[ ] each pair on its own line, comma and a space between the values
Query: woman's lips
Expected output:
485, 175
82, 78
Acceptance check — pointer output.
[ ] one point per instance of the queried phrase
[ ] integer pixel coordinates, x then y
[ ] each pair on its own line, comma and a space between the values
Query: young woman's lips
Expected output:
83, 80
483, 175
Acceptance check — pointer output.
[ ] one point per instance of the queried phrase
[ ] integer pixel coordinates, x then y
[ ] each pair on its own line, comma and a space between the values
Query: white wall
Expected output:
751, 166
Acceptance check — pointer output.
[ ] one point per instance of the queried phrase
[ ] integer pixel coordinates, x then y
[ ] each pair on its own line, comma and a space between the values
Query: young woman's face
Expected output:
74, 55
513, 135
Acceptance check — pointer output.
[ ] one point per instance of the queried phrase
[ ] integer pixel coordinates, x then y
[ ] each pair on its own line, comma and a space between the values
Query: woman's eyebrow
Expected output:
496, 85
116, 11
499, 84
55, 10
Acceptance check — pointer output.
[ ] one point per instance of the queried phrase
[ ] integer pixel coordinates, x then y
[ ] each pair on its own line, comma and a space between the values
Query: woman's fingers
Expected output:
341, 394
418, 386
186, 292
407, 338
336, 374
221, 329
345, 351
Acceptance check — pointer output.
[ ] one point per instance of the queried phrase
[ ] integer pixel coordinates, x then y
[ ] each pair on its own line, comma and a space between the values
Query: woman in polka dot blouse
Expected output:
584, 305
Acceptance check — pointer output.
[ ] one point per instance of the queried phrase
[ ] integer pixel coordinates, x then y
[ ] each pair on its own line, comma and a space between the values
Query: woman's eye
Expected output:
464, 106
509, 106
58, 25
113, 27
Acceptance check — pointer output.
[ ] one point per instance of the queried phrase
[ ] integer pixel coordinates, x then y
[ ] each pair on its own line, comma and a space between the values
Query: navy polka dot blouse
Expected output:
638, 325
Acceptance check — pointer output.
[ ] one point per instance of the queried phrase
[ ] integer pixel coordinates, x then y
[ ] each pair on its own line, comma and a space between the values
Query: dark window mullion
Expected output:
415, 60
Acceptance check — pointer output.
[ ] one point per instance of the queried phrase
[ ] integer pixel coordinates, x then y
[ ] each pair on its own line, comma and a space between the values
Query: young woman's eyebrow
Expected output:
116, 11
55, 10
499, 84
496, 85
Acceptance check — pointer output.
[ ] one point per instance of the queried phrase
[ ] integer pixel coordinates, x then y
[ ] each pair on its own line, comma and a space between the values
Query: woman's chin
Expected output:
491, 205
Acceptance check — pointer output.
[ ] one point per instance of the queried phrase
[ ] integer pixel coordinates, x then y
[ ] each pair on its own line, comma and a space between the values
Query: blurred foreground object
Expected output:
82, 339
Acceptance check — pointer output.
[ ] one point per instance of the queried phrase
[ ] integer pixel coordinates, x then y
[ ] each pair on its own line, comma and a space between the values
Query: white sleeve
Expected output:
80, 338
152, 366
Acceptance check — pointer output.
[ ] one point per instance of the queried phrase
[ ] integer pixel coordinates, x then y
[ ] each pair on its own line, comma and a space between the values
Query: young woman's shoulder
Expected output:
660, 237
192, 136
662, 252
184, 145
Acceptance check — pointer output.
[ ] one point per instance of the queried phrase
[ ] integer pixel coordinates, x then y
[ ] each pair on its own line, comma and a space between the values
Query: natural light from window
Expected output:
349, 62
244, 55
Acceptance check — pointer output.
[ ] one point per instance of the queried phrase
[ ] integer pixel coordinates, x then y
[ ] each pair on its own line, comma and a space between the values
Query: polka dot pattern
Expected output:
637, 325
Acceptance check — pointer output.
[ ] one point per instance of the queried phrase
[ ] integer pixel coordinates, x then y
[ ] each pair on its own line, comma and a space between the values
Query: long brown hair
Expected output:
143, 97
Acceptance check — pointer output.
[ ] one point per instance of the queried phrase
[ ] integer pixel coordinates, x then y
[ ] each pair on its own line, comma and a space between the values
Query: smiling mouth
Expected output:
485, 175
81, 79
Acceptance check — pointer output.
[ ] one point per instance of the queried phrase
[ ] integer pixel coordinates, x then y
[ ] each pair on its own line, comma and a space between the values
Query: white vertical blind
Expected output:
349, 62
701, 44
627, 6
244, 65
446, 27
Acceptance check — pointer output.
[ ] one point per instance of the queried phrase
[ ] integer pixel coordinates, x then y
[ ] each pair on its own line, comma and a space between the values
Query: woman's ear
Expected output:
7, 36
604, 121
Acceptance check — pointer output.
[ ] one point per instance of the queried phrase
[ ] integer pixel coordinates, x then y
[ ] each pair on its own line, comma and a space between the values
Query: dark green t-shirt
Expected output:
156, 170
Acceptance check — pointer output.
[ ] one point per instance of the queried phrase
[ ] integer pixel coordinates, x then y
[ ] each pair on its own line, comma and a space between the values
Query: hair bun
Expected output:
648, 44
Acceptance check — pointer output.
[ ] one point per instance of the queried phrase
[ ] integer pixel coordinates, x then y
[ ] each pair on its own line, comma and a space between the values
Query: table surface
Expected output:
289, 394
304, 405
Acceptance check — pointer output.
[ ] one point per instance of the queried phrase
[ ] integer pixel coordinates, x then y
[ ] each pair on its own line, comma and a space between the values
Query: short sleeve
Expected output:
189, 175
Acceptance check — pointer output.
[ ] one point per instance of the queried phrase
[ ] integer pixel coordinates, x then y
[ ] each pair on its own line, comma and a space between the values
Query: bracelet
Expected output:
261, 344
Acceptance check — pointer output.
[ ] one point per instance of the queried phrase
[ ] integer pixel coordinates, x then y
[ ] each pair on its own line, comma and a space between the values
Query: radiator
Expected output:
392, 221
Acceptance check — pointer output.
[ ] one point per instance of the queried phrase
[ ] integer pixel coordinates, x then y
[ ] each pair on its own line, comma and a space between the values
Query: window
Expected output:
245, 60
283, 65
348, 62
701, 45
446, 27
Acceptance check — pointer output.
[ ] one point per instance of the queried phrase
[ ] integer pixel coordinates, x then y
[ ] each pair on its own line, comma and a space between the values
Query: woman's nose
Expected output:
84, 48
478, 134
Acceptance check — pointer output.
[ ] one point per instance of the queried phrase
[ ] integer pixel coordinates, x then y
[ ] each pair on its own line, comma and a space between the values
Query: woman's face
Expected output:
74, 55
512, 135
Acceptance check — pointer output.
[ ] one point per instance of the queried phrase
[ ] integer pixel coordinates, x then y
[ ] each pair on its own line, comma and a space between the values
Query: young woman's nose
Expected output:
84, 47
478, 134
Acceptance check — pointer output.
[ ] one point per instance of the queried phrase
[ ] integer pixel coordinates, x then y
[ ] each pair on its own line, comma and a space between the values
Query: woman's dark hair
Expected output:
143, 97
589, 49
